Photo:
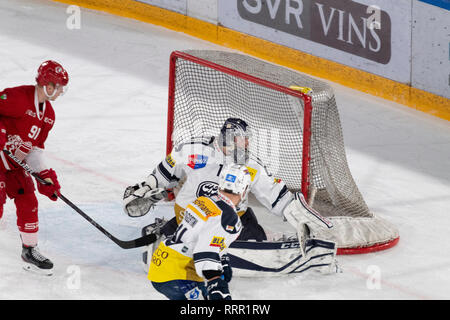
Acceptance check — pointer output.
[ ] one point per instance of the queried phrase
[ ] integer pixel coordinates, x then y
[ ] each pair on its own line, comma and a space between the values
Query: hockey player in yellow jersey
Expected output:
194, 168
194, 254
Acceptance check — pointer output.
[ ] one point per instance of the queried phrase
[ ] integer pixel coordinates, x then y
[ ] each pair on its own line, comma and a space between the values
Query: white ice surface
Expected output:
110, 132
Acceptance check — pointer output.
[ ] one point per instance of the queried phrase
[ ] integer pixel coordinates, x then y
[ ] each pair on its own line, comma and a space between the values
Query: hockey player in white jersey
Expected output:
194, 253
198, 165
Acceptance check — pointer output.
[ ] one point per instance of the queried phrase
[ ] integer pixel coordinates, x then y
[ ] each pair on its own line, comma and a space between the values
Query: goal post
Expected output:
297, 133
294, 92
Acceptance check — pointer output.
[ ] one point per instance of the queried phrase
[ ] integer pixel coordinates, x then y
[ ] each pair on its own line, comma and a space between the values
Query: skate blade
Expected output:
34, 269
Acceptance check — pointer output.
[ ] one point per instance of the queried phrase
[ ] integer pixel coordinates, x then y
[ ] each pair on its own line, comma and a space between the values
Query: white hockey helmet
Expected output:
235, 178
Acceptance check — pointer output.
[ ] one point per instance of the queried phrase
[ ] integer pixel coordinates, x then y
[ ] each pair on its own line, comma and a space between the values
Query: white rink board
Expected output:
431, 49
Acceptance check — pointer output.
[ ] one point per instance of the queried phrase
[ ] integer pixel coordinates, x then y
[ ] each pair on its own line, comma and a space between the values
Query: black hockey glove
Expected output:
218, 289
227, 272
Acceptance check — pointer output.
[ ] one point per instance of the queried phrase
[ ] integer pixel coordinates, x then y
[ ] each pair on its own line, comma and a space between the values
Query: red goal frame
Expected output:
306, 154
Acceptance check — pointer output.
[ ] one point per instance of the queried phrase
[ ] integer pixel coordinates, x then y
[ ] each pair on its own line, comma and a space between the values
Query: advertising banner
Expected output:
445, 4
371, 35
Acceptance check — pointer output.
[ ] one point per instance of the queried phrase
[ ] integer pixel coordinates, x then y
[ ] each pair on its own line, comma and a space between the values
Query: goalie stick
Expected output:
139, 242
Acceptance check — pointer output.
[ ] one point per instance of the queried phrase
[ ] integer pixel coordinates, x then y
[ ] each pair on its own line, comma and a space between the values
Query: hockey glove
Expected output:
227, 272
51, 190
18, 149
298, 212
218, 289
141, 197
306, 220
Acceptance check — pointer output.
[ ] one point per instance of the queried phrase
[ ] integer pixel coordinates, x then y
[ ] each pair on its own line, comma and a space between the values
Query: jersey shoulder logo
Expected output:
170, 161
207, 189
197, 161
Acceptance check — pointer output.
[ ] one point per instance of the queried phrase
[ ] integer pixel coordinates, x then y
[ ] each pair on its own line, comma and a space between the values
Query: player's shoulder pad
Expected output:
203, 140
230, 220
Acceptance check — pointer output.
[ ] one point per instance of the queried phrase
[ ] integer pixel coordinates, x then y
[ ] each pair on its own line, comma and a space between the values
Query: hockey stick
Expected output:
139, 242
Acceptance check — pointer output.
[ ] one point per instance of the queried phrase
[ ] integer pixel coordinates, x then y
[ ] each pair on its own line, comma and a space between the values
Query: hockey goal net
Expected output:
296, 133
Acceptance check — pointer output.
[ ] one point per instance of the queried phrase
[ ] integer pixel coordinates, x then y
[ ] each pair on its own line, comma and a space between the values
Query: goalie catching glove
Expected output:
141, 197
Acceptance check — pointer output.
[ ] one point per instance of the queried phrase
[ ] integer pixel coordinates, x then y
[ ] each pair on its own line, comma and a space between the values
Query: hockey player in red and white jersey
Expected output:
194, 255
26, 118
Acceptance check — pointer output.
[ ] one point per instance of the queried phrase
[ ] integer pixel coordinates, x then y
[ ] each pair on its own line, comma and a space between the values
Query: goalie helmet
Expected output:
235, 179
234, 139
52, 72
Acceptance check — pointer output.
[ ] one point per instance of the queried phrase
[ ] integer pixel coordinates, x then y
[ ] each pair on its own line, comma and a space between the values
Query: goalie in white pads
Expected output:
196, 251
199, 164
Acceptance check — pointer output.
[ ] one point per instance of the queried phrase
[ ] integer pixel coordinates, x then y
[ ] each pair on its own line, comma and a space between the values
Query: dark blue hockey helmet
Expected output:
234, 139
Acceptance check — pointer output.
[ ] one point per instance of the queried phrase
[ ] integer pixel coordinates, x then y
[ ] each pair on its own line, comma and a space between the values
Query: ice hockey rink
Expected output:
110, 132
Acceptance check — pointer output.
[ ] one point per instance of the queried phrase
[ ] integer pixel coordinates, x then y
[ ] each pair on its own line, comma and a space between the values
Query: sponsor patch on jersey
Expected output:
170, 160
197, 161
229, 228
230, 178
207, 208
48, 120
3, 96
218, 242
193, 294
252, 172
276, 180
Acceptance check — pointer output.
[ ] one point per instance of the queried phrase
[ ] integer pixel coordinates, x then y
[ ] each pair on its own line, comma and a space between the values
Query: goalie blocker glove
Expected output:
141, 197
305, 220
298, 212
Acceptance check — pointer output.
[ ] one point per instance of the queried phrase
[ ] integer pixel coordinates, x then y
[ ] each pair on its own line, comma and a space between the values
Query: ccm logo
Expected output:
289, 245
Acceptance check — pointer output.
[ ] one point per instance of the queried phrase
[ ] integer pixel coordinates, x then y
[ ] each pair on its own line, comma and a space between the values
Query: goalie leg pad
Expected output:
268, 259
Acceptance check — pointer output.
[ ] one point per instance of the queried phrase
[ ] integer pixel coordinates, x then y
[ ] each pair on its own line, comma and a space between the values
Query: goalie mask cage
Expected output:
297, 135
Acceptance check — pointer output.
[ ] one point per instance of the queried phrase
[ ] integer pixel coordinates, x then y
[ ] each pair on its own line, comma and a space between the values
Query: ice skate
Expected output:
35, 261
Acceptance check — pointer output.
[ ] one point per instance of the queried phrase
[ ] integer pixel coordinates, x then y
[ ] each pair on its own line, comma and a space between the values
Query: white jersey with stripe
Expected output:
209, 225
200, 161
